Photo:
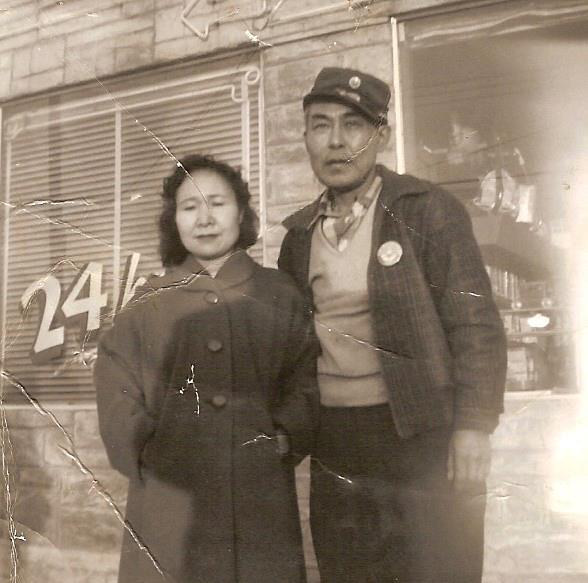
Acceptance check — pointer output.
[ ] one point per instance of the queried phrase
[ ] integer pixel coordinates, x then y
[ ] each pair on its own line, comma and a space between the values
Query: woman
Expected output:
203, 383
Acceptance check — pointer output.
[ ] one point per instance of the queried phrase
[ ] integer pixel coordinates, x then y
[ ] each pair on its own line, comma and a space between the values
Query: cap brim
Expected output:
337, 98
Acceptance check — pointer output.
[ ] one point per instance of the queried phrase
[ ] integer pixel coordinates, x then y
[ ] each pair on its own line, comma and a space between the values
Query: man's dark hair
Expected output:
171, 248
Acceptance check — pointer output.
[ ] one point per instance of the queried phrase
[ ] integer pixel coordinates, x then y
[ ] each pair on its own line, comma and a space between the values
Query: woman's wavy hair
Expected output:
171, 248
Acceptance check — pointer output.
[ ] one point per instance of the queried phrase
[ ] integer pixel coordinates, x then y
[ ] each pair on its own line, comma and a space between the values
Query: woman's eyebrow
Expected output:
199, 196
216, 196
188, 198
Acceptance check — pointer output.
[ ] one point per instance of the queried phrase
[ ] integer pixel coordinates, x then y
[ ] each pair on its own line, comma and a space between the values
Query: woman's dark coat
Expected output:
192, 382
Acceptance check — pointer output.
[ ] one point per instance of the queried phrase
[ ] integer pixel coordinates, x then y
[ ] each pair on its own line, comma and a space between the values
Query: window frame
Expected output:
244, 65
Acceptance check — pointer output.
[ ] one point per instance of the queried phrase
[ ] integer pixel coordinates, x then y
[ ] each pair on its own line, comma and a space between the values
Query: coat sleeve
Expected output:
298, 407
470, 318
125, 424
285, 259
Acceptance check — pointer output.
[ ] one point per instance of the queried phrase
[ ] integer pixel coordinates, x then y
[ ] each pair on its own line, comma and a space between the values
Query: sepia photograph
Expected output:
293, 291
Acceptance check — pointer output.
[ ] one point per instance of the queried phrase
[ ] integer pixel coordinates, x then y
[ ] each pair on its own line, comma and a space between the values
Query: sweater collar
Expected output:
393, 186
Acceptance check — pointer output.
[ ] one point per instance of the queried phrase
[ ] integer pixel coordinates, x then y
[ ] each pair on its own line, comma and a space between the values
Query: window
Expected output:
494, 108
81, 179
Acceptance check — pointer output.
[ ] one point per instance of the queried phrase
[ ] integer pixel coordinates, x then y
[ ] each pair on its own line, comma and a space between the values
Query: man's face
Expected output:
342, 145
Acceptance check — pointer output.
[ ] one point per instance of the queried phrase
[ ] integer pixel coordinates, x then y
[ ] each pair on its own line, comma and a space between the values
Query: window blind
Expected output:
82, 182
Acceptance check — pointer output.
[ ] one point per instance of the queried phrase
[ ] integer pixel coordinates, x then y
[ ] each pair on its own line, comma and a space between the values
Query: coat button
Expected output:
211, 298
214, 345
219, 401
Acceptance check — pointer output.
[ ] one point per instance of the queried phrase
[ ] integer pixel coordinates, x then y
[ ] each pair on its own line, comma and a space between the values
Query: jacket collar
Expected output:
393, 186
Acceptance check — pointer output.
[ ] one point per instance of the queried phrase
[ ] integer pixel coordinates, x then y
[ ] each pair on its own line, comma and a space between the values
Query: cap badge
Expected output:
355, 82
389, 253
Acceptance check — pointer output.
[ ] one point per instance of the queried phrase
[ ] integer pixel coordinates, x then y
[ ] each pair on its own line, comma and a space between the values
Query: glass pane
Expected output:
495, 111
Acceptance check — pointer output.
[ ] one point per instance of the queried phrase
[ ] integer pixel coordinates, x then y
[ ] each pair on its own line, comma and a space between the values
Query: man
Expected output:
413, 359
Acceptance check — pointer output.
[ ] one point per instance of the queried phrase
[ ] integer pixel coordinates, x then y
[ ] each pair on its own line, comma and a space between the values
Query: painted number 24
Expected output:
83, 305
50, 339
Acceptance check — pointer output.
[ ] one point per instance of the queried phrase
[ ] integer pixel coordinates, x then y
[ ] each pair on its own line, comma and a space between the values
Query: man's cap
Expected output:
363, 92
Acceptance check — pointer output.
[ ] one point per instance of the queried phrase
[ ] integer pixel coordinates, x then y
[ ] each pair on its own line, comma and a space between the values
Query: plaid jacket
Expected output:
438, 332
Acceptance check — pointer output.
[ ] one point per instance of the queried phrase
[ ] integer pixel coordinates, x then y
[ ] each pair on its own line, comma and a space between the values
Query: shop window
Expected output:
494, 109
81, 181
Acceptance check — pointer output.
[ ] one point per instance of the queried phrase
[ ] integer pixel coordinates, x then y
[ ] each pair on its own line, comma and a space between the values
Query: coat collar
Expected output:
190, 274
393, 186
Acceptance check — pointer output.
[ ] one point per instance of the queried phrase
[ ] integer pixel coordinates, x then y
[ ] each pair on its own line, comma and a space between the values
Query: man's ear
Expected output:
384, 134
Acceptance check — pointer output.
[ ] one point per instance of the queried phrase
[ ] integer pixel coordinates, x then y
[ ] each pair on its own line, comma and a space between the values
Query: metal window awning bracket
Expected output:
266, 13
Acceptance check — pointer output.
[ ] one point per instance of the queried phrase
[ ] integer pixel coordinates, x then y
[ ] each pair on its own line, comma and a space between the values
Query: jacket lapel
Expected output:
304, 217
394, 186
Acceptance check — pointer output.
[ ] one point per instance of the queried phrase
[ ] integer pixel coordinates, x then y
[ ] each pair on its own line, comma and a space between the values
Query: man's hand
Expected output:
469, 458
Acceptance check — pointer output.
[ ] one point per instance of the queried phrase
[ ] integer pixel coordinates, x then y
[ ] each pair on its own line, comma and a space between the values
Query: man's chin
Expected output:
343, 186
342, 182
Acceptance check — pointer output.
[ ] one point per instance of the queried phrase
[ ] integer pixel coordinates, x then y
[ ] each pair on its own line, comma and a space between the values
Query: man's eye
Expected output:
352, 123
320, 126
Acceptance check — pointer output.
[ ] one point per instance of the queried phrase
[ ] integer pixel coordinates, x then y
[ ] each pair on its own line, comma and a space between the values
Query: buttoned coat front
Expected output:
192, 382
437, 330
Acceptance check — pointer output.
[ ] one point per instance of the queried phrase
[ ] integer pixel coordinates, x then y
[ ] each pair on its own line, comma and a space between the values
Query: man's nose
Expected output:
336, 136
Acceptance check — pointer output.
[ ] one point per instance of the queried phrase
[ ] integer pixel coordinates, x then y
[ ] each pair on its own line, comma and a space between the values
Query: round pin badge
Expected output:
389, 253
355, 82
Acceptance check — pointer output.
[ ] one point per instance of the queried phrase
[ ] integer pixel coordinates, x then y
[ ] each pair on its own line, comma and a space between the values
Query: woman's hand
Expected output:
283, 442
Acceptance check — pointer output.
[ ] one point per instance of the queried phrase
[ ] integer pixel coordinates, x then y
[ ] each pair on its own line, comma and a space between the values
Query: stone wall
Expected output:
67, 531
69, 528
537, 517
289, 71
70, 533
536, 524
46, 44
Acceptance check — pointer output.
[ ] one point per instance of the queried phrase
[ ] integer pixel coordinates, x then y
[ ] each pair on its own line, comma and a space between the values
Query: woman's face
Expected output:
207, 216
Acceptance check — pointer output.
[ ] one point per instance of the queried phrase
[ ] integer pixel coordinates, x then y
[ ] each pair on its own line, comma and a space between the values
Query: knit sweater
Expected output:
349, 370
